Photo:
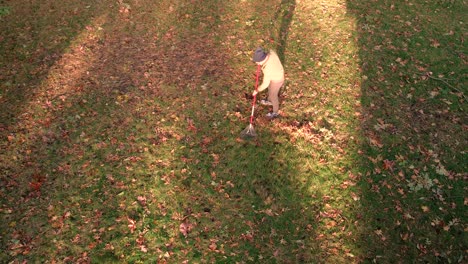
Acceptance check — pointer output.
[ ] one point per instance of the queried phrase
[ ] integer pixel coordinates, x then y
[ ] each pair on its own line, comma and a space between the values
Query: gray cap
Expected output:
259, 55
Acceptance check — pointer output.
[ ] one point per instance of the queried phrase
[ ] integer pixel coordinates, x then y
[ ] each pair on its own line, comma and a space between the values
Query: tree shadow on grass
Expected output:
139, 162
34, 38
414, 110
284, 13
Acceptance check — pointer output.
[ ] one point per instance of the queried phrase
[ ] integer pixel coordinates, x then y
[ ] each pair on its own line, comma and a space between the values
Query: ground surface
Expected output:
120, 124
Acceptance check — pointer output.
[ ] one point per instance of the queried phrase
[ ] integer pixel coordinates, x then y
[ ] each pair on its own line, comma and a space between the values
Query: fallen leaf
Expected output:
212, 246
185, 228
131, 224
425, 208
142, 200
388, 165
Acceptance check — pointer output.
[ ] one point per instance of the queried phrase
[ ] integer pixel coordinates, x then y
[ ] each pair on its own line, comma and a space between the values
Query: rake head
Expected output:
248, 132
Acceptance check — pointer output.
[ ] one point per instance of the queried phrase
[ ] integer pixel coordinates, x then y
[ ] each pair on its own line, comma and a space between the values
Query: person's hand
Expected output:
254, 93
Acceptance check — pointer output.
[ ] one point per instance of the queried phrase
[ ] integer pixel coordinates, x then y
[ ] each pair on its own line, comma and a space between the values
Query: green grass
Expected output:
120, 132
415, 103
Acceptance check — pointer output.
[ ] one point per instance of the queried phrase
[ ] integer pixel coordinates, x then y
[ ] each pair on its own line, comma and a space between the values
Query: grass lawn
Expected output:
120, 132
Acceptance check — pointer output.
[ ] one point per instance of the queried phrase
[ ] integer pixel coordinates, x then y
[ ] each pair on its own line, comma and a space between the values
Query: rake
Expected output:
249, 131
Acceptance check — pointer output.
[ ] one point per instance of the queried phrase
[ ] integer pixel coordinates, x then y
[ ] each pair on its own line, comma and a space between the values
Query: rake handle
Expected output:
255, 96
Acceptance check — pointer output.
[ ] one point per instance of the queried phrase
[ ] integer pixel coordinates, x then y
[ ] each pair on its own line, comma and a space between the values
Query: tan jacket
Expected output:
272, 70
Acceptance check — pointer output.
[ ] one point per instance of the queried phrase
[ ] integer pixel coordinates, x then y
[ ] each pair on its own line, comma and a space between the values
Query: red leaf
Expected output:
142, 200
35, 186
388, 165
131, 224
185, 228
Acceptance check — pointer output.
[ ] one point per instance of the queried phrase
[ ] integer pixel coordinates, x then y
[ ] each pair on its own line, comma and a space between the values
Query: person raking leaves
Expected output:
273, 78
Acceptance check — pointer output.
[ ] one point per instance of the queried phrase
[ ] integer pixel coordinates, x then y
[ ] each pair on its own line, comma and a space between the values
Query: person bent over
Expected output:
273, 78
